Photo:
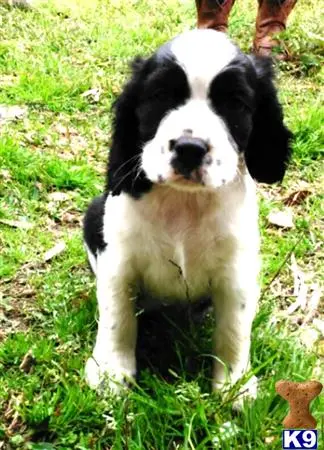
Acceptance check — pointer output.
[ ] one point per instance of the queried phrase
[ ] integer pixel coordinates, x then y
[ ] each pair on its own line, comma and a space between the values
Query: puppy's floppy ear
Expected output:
123, 166
268, 149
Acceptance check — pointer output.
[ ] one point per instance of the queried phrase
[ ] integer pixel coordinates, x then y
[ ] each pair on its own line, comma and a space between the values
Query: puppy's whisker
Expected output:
125, 176
139, 168
138, 173
128, 160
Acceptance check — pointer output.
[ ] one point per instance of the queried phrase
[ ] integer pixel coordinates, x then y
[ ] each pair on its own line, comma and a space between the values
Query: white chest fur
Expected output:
175, 245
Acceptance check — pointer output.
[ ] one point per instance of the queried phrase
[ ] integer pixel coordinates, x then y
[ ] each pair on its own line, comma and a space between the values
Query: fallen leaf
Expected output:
28, 292
5, 174
320, 349
27, 362
94, 94
319, 325
30, 137
308, 337
15, 424
48, 141
313, 303
297, 274
55, 251
317, 372
19, 3
296, 198
300, 287
71, 217
22, 224
282, 219
58, 196
293, 307
11, 413
9, 113
61, 129
69, 137
101, 135
7, 80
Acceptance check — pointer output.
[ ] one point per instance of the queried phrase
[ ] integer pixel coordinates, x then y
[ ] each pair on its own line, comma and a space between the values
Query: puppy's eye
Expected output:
171, 144
157, 95
237, 104
161, 94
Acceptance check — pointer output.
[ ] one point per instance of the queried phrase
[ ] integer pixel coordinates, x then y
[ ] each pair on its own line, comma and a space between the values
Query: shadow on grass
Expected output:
176, 341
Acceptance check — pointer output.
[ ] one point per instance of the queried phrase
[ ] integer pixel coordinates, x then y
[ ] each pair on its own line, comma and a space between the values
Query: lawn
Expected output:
62, 63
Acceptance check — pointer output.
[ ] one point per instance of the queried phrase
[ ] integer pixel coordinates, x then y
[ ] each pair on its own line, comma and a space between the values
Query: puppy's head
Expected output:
194, 115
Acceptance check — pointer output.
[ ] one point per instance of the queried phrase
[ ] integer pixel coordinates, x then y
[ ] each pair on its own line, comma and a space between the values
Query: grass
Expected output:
52, 161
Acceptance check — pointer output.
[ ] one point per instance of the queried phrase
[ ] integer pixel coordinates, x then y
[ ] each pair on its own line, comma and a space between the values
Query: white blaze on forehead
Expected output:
202, 54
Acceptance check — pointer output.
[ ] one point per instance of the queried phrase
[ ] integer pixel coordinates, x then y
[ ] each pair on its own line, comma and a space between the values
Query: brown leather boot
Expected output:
271, 19
214, 13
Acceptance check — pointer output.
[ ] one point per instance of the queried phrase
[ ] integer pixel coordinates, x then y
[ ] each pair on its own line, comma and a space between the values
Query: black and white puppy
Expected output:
197, 123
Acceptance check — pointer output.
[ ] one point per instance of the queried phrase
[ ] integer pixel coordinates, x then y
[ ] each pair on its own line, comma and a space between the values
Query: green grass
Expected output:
49, 56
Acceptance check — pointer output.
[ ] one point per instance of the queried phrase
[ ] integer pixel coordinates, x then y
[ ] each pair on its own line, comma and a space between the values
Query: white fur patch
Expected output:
202, 54
92, 259
170, 236
206, 125
194, 53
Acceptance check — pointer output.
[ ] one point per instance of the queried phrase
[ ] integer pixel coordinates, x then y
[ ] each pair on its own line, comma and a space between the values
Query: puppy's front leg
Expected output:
113, 359
235, 304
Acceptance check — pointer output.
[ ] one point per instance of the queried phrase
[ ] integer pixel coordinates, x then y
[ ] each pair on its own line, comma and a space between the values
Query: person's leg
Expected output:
271, 19
214, 13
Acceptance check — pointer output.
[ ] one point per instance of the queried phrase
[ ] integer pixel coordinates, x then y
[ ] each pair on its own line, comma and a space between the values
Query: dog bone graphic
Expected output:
299, 396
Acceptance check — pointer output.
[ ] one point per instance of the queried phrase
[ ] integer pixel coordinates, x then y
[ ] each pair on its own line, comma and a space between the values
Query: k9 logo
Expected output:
302, 439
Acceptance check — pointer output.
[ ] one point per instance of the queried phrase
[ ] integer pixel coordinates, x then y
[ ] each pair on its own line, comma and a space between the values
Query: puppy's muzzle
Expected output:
188, 156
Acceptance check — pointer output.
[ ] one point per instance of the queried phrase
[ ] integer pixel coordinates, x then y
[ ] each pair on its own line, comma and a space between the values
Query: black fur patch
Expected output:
93, 225
157, 86
269, 150
232, 96
245, 96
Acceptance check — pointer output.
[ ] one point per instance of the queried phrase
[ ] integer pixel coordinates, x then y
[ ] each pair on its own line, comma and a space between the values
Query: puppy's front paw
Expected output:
108, 376
247, 392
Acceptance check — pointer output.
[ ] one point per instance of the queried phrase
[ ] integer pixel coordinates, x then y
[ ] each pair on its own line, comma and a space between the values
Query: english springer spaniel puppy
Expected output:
197, 123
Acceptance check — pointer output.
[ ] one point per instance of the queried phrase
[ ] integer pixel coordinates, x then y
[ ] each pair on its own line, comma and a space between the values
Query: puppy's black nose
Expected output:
189, 153
184, 144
